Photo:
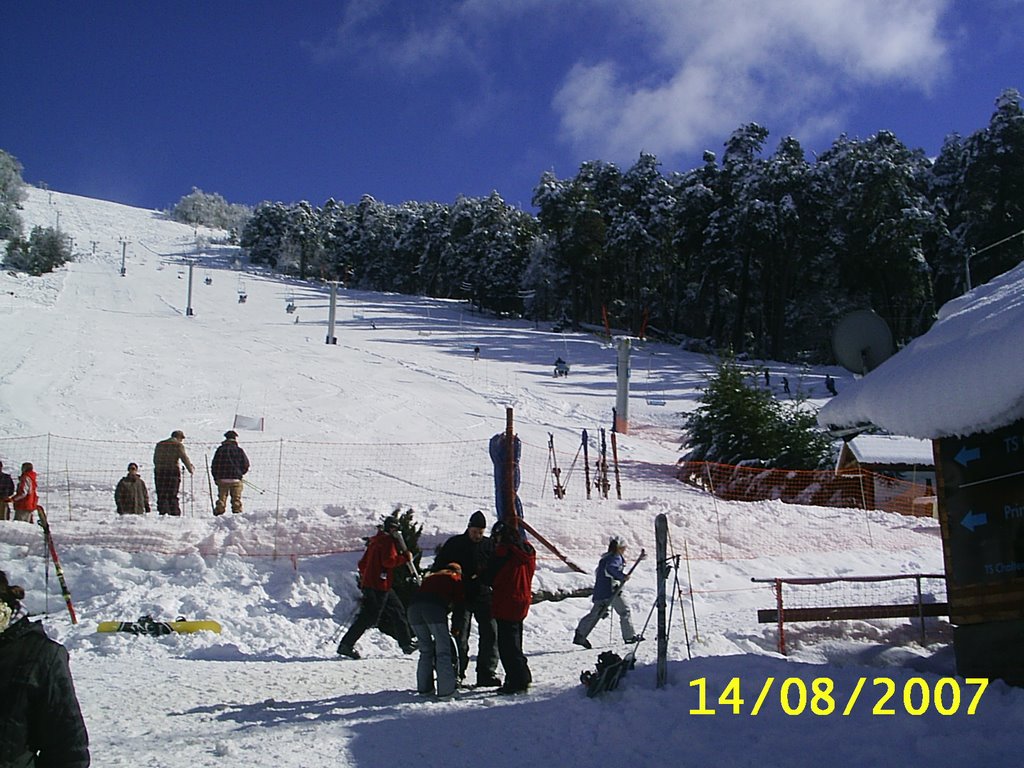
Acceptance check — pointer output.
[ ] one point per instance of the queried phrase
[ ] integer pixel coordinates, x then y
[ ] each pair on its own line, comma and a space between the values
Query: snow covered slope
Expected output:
93, 355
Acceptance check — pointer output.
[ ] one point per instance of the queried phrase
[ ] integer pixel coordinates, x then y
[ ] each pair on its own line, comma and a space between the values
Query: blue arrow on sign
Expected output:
966, 455
972, 520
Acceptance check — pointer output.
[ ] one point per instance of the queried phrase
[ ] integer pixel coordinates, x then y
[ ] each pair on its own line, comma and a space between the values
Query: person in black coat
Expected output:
472, 550
228, 467
6, 493
40, 719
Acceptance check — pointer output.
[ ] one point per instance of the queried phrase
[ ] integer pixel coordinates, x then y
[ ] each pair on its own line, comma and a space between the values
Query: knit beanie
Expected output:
477, 520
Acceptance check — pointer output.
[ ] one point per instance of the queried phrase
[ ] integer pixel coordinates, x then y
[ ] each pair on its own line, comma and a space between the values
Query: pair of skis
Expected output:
44, 523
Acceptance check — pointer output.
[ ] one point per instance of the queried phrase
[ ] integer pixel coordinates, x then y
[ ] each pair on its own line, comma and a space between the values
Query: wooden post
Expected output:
778, 608
510, 472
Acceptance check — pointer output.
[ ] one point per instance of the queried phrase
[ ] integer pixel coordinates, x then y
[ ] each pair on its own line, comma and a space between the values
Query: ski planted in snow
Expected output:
147, 625
555, 470
44, 523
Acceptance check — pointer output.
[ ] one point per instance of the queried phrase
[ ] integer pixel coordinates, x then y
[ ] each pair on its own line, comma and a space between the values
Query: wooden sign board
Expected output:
981, 511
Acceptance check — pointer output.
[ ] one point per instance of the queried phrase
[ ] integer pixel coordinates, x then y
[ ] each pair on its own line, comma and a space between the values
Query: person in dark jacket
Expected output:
168, 456
40, 720
511, 573
228, 467
472, 550
6, 493
130, 495
380, 606
609, 576
428, 617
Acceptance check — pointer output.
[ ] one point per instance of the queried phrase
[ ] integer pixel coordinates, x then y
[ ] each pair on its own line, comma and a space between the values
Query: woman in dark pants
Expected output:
511, 570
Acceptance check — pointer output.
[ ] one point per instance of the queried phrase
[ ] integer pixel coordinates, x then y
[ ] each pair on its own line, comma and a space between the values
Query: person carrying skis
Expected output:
40, 719
228, 467
26, 498
380, 606
610, 575
471, 551
511, 572
428, 616
6, 493
167, 457
130, 495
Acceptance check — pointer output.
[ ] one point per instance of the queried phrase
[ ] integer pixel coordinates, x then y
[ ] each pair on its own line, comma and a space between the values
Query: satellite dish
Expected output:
862, 341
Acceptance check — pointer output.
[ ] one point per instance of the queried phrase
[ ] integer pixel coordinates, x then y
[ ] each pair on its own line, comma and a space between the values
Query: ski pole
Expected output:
258, 490
209, 481
615, 462
586, 462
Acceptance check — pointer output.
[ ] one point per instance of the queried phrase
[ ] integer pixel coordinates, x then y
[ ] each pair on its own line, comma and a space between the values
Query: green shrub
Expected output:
44, 251
741, 423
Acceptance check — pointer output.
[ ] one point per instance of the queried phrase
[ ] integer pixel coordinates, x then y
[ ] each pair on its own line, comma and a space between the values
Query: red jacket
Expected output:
25, 498
380, 557
512, 582
442, 587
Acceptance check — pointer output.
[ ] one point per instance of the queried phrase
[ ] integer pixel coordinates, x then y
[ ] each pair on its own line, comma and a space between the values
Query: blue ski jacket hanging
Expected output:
499, 456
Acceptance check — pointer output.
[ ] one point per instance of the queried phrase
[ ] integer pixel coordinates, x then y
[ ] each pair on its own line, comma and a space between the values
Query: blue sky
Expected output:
425, 100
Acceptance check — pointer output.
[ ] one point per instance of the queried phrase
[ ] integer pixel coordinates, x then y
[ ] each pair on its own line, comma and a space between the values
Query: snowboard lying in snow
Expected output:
146, 625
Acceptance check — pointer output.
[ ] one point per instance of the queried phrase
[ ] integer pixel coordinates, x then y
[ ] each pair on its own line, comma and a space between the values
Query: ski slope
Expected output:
92, 354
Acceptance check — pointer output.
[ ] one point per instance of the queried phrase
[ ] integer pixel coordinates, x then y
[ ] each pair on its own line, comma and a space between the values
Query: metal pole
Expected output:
188, 309
332, 313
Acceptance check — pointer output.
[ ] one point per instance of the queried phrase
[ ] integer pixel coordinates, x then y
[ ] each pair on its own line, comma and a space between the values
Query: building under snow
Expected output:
961, 386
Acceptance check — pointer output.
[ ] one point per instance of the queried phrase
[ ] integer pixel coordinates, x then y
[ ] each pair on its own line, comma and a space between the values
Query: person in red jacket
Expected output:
380, 606
428, 616
511, 573
26, 498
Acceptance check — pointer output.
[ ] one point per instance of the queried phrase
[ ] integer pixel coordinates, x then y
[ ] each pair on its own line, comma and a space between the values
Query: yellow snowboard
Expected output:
147, 626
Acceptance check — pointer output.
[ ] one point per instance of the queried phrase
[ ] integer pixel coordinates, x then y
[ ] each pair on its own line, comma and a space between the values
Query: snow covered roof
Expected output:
965, 375
891, 449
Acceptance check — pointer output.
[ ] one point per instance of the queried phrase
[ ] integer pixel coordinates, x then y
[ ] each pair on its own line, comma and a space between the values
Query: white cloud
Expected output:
379, 32
727, 62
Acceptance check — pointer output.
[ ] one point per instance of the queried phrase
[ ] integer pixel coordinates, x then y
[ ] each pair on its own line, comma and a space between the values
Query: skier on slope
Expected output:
471, 550
168, 455
228, 467
610, 575
40, 718
380, 605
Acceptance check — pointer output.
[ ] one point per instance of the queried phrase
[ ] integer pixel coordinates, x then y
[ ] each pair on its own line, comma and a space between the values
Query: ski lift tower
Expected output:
621, 424
332, 313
